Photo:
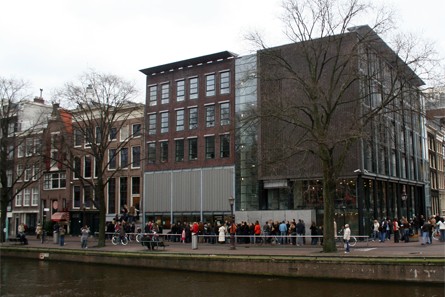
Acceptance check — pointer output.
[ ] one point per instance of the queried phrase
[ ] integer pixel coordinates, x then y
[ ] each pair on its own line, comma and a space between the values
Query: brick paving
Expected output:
411, 249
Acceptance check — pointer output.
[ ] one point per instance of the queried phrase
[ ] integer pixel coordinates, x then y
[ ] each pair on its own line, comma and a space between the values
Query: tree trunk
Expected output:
329, 188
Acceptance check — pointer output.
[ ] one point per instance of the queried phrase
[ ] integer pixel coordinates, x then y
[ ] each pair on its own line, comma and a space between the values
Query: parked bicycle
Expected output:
117, 239
339, 239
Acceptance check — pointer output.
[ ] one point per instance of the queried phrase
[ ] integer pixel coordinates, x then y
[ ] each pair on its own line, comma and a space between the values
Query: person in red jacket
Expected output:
257, 232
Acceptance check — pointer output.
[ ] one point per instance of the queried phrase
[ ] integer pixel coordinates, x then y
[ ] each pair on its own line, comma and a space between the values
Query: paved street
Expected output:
362, 249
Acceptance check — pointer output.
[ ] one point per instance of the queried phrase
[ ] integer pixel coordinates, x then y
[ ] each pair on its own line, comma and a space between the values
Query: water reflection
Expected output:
21, 277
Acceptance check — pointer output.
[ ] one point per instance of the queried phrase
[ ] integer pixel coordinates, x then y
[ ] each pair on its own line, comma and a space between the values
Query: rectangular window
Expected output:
20, 150
112, 195
37, 149
29, 147
98, 134
135, 185
180, 90
9, 177
27, 197
193, 118
19, 172
193, 90
210, 147
153, 95
225, 114
87, 163
193, 148
165, 93
97, 168
123, 190
210, 85
164, 151
164, 122
10, 152
124, 133
124, 157
179, 150
151, 153
152, 124
112, 159
224, 145
180, 120
225, 82
54, 181
88, 137
35, 171
77, 167
87, 196
18, 199
136, 130
77, 137
28, 173
113, 133
136, 157
76, 196
210, 116
35, 197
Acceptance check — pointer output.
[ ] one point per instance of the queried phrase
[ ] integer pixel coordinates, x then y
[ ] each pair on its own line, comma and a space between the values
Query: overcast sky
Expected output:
50, 42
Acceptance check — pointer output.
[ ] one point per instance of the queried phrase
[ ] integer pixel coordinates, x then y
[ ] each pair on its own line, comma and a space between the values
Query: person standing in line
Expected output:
347, 237
39, 230
395, 229
283, 231
441, 225
314, 233
85, 232
222, 234
61, 235
375, 230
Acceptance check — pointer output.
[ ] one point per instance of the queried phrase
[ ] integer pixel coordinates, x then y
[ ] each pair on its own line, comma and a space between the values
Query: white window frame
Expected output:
19, 198
180, 90
27, 197
35, 197
153, 95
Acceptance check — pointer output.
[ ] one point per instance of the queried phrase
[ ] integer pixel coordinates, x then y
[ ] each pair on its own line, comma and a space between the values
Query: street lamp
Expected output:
232, 232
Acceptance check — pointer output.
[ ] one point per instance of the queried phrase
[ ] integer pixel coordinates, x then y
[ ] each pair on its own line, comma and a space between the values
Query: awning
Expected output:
60, 216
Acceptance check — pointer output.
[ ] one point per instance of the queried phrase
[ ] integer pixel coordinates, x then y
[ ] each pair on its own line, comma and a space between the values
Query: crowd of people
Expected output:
403, 229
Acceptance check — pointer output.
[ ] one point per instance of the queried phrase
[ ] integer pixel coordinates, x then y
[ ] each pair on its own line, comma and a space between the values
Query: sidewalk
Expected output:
362, 249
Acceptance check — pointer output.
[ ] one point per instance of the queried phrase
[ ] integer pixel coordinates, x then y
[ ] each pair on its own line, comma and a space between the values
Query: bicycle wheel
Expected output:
436, 235
138, 237
352, 241
124, 240
115, 240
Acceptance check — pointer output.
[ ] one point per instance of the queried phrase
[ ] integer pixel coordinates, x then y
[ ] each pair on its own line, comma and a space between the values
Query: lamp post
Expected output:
232, 232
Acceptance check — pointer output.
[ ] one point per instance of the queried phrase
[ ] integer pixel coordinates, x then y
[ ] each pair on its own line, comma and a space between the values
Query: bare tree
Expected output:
20, 144
103, 108
319, 96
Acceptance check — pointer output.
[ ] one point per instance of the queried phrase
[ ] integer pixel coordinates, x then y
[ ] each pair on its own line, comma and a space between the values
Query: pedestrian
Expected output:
61, 235
441, 225
22, 235
222, 234
85, 232
39, 230
314, 234
426, 232
375, 230
395, 229
346, 238
183, 235
283, 231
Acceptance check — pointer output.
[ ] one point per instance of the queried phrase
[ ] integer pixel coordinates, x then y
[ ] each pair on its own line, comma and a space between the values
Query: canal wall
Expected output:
426, 270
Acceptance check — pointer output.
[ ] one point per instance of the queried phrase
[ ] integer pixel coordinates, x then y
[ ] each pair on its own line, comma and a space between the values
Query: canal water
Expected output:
24, 277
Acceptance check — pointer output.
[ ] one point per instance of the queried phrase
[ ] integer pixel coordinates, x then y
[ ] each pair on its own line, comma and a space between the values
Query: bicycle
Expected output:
117, 239
339, 239
436, 235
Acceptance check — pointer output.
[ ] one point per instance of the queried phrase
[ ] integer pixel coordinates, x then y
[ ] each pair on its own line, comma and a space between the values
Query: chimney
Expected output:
39, 100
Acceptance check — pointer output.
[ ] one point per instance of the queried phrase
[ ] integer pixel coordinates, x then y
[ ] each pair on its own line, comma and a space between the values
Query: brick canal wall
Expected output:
429, 270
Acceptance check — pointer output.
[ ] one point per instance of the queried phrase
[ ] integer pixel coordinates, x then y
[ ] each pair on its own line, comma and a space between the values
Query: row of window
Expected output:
27, 197
187, 149
82, 196
190, 122
127, 157
189, 86
97, 135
